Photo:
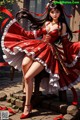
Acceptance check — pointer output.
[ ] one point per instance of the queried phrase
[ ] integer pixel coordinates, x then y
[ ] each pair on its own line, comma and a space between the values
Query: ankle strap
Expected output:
27, 105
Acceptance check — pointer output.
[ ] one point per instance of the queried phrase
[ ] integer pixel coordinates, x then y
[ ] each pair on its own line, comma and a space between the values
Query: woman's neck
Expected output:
54, 21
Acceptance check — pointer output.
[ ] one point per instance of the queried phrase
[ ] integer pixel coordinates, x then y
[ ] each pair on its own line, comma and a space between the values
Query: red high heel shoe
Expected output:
58, 118
23, 116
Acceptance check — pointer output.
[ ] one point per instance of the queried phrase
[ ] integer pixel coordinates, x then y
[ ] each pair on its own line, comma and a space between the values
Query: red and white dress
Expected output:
62, 63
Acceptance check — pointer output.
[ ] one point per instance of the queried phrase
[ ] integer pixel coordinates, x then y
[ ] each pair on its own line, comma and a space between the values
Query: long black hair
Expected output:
37, 23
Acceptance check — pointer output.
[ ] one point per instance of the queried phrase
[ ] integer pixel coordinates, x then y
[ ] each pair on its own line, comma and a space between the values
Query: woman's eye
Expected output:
52, 11
57, 11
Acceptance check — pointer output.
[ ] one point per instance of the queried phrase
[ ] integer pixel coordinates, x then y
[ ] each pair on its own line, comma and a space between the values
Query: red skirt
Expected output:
15, 46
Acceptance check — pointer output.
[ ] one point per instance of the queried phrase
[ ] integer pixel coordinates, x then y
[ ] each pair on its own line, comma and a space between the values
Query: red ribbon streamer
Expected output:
4, 10
3, 64
3, 23
77, 31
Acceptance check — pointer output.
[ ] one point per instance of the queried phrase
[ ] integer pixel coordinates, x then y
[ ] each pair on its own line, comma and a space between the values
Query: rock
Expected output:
13, 100
8, 99
19, 103
63, 108
22, 96
2, 96
16, 95
72, 109
14, 107
68, 117
11, 94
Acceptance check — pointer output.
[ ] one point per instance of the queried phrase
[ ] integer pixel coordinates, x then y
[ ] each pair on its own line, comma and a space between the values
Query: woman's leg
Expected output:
35, 68
26, 63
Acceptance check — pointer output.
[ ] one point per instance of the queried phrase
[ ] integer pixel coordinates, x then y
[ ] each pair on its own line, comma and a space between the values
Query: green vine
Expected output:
6, 2
19, 1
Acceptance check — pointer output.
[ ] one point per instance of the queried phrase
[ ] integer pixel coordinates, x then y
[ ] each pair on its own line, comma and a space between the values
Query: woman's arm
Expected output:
32, 34
64, 34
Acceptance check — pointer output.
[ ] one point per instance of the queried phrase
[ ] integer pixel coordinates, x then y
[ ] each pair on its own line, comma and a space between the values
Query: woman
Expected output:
25, 52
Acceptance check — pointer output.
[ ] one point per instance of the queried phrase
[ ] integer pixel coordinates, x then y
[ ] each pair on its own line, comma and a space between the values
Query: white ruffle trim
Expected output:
74, 61
5, 32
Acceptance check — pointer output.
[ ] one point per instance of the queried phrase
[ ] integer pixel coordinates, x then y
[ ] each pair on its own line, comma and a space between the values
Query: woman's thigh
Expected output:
26, 63
34, 69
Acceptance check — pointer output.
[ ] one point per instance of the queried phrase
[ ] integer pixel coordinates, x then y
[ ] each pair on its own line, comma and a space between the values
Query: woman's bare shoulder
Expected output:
47, 22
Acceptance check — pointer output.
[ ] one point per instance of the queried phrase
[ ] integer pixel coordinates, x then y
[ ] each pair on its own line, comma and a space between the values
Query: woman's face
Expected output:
55, 13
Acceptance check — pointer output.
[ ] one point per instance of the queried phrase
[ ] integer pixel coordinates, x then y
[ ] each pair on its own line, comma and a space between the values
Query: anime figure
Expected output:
23, 50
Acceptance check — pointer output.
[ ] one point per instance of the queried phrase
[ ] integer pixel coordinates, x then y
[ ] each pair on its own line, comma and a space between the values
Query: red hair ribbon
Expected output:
3, 64
38, 14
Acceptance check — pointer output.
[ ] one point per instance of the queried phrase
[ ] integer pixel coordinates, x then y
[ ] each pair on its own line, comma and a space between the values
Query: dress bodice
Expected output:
51, 36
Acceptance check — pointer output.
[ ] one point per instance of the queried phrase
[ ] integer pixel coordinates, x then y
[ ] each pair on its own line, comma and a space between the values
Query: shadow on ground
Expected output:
5, 80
